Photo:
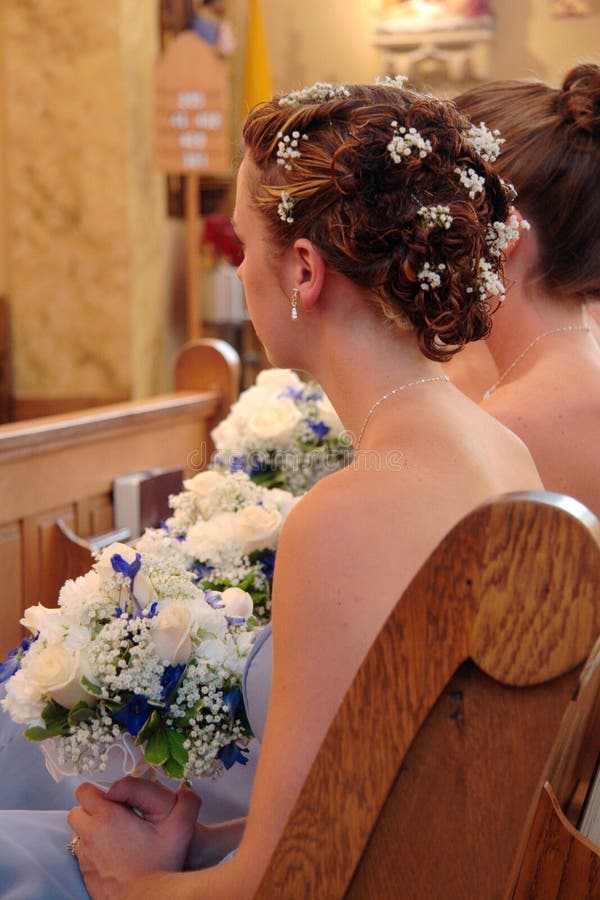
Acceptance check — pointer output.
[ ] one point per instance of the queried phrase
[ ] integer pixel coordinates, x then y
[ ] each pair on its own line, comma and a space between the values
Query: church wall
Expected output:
84, 206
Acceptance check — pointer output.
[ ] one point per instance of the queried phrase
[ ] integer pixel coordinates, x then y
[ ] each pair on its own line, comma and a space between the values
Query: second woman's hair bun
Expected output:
579, 99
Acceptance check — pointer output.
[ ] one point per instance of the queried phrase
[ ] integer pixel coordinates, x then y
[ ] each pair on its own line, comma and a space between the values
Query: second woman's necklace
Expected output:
530, 347
386, 396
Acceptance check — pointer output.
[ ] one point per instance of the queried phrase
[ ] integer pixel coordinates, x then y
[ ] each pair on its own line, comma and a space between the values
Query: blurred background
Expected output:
100, 244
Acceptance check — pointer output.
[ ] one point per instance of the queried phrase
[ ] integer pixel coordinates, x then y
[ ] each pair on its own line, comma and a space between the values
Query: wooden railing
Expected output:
60, 469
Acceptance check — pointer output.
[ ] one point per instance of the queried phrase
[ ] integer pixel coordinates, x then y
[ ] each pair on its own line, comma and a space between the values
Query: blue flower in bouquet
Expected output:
225, 529
283, 432
135, 660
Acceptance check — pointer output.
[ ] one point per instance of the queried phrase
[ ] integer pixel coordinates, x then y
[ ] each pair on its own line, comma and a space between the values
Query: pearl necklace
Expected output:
396, 390
544, 334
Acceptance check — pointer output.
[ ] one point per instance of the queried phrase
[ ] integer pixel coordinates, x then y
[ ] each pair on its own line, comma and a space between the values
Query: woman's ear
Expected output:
309, 271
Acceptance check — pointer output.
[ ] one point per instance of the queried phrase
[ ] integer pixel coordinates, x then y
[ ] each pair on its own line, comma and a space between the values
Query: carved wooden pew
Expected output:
61, 468
423, 782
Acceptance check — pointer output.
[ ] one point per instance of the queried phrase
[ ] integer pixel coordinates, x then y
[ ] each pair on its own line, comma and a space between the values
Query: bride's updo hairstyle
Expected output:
552, 156
397, 191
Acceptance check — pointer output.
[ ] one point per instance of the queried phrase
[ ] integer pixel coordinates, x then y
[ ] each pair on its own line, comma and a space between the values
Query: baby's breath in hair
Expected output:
485, 142
320, 92
286, 207
403, 142
429, 276
473, 182
500, 234
436, 216
397, 81
287, 148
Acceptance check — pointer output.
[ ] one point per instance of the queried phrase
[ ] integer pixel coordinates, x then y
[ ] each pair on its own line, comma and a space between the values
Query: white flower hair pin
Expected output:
489, 282
397, 81
320, 92
405, 140
286, 207
486, 143
469, 179
287, 148
436, 216
500, 234
429, 277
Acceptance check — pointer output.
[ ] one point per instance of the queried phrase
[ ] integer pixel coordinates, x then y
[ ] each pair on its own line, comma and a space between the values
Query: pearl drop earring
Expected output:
294, 302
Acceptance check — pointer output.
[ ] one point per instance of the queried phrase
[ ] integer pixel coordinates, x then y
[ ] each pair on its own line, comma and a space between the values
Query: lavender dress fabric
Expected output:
34, 863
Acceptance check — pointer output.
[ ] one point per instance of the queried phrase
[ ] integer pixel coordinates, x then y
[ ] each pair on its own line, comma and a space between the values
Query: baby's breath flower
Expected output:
320, 92
286, 207
485, 142
405, 140
436, 216
473, 182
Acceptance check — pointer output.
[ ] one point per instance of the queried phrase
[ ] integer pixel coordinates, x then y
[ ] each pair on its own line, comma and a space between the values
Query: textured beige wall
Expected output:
84, 205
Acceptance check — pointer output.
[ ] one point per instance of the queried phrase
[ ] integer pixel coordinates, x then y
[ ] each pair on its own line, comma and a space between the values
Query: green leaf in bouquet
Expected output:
36, 733
268, 479
251, 623
150, 726
54, 712
173, 769
81, 712
90, 687
157, 748
178, 751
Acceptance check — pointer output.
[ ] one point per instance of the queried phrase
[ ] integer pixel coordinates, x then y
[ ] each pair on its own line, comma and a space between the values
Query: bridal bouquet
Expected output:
283, 432
225, 530
137, 668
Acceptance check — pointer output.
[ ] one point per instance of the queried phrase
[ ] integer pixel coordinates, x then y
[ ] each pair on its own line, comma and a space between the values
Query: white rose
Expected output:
143, 591
329, 417
128, 553
226, 435
258, 527
209, 620
57, 673
49, 622
171, 633
283, 500
212, 651
207, 541
205, 487
23, 700
275, 422
238, 604
251, 400
204, 483
278, 380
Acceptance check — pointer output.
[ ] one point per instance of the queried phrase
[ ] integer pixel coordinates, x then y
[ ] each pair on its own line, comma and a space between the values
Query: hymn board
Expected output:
192, 137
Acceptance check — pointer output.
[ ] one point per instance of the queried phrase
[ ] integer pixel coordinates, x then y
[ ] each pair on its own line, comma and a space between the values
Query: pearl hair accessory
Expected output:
392, 393
565, 328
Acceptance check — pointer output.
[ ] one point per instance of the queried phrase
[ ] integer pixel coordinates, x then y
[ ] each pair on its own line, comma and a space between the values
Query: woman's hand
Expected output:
116, 846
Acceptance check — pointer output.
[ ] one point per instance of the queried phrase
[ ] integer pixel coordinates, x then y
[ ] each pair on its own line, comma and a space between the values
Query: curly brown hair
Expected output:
361, 208
552, 156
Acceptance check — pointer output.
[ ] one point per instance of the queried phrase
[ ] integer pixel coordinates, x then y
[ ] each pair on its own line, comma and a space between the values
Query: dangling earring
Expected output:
294, 302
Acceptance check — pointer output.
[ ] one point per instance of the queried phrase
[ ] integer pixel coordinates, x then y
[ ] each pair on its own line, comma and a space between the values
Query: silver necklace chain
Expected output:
528, 348
396, 390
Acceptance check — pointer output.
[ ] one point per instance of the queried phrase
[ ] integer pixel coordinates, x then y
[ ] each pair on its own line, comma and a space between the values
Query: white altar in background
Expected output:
451, 38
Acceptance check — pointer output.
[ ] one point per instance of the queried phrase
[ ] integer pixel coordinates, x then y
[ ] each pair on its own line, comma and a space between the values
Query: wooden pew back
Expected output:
62, 468
426, 773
